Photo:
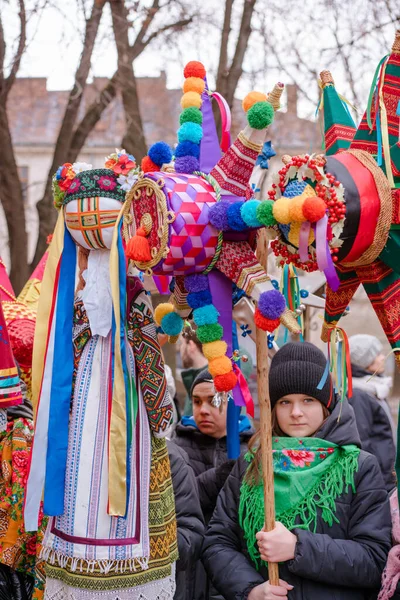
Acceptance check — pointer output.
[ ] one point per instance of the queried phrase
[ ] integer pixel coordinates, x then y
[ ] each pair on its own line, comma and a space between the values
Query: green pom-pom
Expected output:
260, 115
265, 213
209, 333
191, 114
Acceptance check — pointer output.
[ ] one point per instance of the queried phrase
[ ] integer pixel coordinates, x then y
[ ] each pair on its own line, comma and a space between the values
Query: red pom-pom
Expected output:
225, 383
148, 166
194, 68
265, 324
314, 208
138, 247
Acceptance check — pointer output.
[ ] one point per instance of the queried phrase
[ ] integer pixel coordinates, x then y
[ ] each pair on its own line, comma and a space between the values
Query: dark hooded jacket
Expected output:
189, 518
341, 562
209, 459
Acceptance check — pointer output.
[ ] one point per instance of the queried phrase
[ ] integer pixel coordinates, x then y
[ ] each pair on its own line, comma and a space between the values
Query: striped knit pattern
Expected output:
337, 302
234, 169
239, 263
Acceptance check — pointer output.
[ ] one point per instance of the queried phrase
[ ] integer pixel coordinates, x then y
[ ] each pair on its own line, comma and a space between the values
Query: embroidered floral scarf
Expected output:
309, 475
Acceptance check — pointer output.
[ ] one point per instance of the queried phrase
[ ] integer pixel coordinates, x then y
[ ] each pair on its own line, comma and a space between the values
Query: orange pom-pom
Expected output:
296, 210
194, 68
265, 324
138, 247
220, 366
194, 84
314, 209
225, 383
191, 99
148, 166
252, 98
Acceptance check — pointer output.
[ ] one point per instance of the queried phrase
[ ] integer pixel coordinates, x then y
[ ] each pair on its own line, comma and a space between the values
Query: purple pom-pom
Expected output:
196, 283
199, 299
235, 220
271, 304
218, 215
187, 164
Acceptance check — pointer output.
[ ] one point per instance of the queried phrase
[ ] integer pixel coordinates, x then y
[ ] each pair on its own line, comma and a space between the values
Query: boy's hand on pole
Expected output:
277, 545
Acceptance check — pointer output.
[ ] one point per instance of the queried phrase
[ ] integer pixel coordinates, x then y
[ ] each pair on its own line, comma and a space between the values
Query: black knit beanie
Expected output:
203, 376
297, 368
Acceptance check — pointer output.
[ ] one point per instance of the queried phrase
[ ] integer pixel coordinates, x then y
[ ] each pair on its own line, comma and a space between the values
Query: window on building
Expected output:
24, 179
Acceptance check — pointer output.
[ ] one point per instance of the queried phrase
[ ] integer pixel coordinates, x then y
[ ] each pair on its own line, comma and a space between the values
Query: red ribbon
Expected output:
243, 389
225, 121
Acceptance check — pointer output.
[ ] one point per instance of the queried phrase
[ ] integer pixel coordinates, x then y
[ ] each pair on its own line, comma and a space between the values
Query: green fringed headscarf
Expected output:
309, 474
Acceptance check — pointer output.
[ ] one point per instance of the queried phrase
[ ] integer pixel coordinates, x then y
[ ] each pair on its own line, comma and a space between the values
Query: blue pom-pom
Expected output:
206, 315
199, 299
190, 132
248, 212
172, 324
160, 153
271, 304
218, 215
187, 149
235, 220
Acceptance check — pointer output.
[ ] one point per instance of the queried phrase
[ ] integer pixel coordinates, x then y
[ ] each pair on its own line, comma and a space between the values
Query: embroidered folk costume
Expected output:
102, 407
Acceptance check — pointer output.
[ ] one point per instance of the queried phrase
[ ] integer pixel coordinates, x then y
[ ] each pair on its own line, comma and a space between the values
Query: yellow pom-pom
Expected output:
214, 349
161, 310
281, 210
220, 366
294, 235
194, 84
296, 209
191, 99
252, 98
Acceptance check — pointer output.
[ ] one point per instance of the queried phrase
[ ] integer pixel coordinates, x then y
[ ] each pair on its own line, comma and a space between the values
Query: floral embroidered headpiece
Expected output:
79, 180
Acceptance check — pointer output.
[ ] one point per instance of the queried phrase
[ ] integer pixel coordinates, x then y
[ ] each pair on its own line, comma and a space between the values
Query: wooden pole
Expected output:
265, 416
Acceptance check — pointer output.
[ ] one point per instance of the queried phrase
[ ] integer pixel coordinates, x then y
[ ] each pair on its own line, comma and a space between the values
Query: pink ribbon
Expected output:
324, 259
303, 241
226, 121
241, 392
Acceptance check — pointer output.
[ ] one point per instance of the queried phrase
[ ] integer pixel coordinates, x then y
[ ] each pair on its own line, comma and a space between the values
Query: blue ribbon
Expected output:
267, 152
61, 384
233, 413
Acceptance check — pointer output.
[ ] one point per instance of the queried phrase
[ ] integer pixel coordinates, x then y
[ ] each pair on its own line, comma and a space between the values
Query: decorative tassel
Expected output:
338, 364
138, 247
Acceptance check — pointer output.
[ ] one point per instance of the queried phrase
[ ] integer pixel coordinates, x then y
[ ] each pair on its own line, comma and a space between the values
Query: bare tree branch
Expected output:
223, 69
2, 55
20, 50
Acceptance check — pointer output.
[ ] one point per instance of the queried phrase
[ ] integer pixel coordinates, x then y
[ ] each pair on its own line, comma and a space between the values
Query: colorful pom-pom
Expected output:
138, 247
196, 283
296, 210
265, 324
191, 114
294, 235
205, 315
194, 84
215, 349
209, 333
314, 209
265, 213
252, 98
160, 153
234, 215
249, 213
220, 366
271, 304
281, 210
225, 383
191, 99
148, 166
194, 68
218, 215
187, 149
172, 324
161, 310
187, 164
199, 299
260, 115
191, 132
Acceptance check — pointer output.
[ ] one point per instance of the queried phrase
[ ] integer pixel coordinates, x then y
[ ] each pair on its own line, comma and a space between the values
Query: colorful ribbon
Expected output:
241, 392
324, 259
338, 364
226, 121
303, 241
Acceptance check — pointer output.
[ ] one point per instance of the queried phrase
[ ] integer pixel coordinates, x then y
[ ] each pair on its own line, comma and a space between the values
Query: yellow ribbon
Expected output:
343, 99
43, 323
384, 127
117, 466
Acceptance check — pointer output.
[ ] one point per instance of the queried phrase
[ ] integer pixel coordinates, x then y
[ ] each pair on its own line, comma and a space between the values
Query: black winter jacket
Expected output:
189, 517
342, 562
208, 459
